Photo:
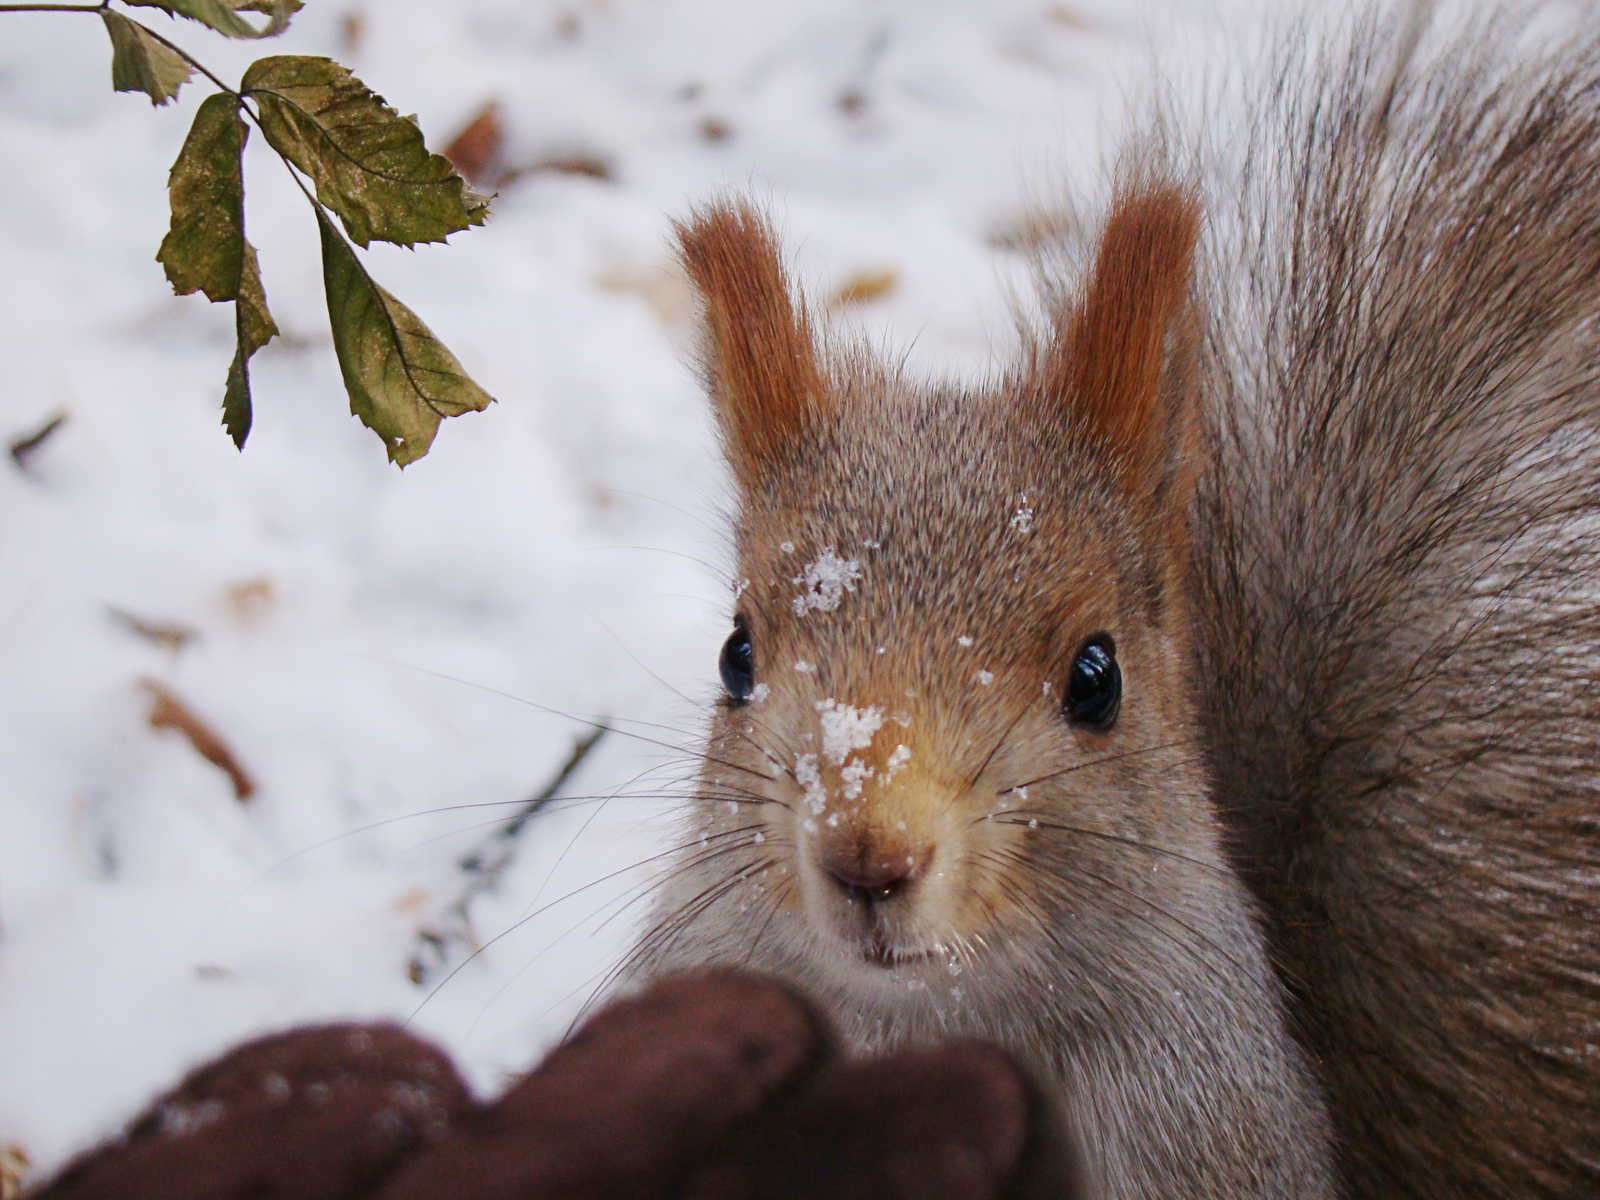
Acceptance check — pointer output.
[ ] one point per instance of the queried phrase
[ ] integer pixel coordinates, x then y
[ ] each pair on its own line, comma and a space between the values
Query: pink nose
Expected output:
873, 878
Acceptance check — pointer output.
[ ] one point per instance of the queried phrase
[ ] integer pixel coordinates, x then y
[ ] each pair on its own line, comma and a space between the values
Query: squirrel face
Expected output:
958, 655
957, 721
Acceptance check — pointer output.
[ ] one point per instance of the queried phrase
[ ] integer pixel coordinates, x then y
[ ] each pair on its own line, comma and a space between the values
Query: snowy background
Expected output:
400, 659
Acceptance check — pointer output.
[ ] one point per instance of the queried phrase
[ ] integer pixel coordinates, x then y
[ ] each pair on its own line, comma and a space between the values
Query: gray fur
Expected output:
1396, 606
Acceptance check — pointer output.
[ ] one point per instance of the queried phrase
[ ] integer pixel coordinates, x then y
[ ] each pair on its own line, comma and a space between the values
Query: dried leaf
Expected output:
14, 1166
578, 163
475, 151
352, 32
1069, 17
222, 15
253, 329
1037, 229
168, 712
412, 900
139, 63
205, 248
666, 289
401, 379
248, 599
864, 286
369, 164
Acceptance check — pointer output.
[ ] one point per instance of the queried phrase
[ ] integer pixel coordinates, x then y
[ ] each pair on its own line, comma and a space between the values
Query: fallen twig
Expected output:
483, 868
23, 447
164, 633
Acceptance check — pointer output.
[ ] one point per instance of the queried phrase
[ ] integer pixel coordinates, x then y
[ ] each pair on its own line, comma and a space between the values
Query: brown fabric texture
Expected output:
706, 1087
631, 1103
321, 1113
958, 1122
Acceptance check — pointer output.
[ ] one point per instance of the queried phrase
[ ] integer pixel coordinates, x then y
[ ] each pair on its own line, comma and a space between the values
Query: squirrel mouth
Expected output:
879, 950
879, 953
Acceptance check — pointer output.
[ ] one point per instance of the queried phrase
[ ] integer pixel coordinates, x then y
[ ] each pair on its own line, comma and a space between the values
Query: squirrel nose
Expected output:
872, 878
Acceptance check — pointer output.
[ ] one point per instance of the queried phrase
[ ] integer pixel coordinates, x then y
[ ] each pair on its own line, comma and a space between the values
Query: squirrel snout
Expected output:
871, 876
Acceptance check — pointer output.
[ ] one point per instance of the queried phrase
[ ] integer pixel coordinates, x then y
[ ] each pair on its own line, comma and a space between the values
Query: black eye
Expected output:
737, 667
1094, 689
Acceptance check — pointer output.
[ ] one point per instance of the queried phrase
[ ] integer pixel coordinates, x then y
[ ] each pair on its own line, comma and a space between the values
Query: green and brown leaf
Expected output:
223, 15
369, 164
401, 379
253, 328
140, 63
205, 249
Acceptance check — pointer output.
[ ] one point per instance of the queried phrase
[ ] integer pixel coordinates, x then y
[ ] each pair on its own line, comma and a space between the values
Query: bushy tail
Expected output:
1399, 584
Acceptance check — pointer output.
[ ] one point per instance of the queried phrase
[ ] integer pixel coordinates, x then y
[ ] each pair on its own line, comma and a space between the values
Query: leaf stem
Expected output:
289, 167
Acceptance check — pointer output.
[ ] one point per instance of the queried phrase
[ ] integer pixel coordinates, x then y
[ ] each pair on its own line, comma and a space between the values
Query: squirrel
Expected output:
1207, 708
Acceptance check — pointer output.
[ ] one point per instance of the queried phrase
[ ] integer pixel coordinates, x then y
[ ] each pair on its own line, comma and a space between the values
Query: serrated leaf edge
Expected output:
400, 452
152, 45
474, 205
233, 26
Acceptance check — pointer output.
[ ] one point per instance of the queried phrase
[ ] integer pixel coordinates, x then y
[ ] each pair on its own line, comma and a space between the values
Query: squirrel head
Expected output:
957, 705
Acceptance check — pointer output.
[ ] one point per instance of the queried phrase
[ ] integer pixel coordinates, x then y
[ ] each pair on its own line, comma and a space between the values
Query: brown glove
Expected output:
705, 1087
322, 1113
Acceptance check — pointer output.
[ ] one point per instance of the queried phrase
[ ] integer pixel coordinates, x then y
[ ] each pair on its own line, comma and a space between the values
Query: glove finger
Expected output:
321, 1113
634, 1100
955, 1122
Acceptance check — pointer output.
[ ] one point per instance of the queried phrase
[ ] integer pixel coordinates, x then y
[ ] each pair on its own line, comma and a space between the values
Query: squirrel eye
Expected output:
737, 665
1094, 689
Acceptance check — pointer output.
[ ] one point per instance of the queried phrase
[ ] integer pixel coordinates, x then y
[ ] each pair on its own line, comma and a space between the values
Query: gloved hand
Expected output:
705, 1087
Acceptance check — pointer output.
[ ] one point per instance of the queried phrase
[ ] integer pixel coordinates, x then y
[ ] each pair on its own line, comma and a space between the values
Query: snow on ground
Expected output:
400, 658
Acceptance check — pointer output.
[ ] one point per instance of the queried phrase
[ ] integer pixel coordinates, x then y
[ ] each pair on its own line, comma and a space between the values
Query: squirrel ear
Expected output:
1121, 360
761, 361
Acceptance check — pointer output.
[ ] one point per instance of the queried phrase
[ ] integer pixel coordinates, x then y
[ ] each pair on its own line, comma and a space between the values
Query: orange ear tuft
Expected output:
1119, 364
761, 358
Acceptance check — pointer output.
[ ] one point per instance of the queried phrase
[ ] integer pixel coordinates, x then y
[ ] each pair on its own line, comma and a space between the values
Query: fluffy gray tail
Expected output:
1397, 584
